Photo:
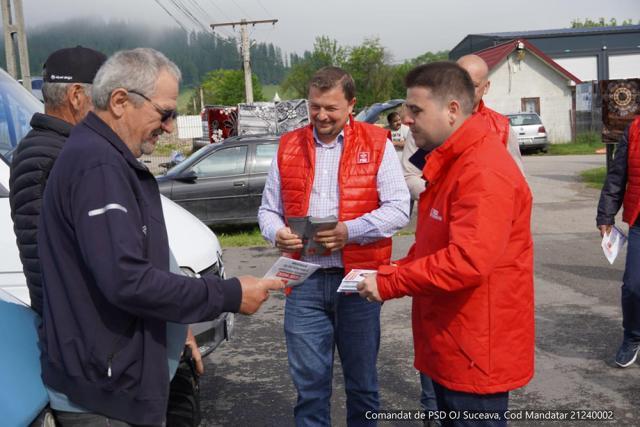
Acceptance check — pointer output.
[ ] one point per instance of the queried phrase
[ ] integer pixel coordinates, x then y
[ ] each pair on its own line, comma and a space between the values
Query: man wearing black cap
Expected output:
68, 74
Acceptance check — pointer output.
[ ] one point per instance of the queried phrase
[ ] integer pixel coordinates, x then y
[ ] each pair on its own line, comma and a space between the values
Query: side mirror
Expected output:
187, 176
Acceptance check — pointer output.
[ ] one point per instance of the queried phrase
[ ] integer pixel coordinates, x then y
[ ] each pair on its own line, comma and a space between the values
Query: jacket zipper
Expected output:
115, 345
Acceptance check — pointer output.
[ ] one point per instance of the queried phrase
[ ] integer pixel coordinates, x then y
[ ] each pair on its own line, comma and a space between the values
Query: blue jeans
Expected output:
631, 288
317, 319
451, 400
427, 393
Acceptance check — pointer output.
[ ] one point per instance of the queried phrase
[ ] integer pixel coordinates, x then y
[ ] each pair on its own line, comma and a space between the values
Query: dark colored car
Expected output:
376, 113
223, 183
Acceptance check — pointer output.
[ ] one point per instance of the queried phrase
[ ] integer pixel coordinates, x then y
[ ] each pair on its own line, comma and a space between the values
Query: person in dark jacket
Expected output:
67, 77
108, 293
622, 188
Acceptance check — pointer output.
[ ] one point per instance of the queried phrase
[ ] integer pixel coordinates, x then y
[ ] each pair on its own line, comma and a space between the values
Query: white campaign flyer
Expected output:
352, 279
291, 271
613, 243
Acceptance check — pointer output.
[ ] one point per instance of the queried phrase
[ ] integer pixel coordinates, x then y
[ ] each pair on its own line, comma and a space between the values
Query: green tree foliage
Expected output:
226, 87
369, 63
601, 22
326, 52
195, 54
369, 66
398, 89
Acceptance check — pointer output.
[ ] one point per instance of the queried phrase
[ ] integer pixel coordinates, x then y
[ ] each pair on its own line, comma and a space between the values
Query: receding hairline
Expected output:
474, 64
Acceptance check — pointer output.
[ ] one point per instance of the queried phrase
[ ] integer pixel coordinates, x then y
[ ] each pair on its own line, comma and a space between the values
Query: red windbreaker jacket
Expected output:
470, 271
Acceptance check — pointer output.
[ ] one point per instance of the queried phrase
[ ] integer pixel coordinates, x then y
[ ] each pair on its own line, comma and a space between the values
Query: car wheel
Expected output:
544, 149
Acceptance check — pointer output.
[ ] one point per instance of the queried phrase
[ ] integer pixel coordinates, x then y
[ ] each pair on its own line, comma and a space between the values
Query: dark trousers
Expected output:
631, 288
427, 393
458, 401
77, 419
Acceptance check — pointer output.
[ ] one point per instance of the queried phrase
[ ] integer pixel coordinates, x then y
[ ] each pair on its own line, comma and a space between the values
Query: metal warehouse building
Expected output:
599, 53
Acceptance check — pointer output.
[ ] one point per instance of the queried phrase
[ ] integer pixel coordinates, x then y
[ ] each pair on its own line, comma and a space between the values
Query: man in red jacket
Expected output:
479, 73
470, 271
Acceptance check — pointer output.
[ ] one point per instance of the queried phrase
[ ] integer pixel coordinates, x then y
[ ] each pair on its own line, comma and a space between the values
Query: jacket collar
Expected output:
98, 125
481, 107
47, 122
469, 134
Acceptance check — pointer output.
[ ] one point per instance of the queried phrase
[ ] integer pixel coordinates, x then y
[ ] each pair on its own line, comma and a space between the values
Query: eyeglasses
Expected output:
164, 114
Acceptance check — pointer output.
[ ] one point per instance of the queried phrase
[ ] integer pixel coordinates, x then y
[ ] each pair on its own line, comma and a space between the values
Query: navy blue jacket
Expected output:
612, 194
107, 288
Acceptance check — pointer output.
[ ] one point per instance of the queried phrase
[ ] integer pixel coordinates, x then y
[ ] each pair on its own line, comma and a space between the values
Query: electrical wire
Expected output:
172, 16
263, 8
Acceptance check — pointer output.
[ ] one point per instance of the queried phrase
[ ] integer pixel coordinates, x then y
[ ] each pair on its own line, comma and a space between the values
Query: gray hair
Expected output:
136, 69
55, 94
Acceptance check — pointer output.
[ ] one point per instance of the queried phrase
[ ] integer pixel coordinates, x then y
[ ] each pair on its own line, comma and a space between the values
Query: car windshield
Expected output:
524, 119
17, 105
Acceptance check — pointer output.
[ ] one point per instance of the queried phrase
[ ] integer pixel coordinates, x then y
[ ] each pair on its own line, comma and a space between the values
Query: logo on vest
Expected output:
435, 214
363, 157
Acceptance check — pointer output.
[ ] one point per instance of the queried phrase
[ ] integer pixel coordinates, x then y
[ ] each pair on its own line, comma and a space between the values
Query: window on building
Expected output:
530, 105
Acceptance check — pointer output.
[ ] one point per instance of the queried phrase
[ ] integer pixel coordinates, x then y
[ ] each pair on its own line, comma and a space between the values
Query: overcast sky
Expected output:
407, 28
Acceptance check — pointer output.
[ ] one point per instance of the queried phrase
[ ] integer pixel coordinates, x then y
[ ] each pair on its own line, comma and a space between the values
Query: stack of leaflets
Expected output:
306, 228
352, 279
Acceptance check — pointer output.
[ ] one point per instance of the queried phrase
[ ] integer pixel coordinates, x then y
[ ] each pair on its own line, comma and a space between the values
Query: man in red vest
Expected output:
479, 73
470, 271
335, 166
622, 188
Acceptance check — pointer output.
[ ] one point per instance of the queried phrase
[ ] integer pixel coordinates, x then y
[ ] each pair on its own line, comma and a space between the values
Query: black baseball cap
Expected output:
73, 65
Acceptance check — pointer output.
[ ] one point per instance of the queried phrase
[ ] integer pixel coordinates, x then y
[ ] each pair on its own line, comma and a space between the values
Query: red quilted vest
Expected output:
631, 201
499, 124
362, 153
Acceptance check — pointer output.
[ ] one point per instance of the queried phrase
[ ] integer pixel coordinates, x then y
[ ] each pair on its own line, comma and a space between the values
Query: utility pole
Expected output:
14, 33
246, 56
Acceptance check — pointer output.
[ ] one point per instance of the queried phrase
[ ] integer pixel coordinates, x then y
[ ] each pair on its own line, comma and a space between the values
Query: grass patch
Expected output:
594, 178
586, 143
233, 236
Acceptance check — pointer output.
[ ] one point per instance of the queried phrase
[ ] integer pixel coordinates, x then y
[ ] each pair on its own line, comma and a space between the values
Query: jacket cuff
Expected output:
232, 295
386, 279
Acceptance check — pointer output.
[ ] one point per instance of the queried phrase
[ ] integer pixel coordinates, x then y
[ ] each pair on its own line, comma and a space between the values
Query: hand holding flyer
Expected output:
291, 271
612, 243
352, 279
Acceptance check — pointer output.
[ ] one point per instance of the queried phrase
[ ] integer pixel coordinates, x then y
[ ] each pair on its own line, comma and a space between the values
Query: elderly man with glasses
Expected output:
108, 292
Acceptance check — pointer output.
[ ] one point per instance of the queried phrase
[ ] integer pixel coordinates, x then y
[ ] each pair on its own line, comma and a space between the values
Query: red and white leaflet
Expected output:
352, 279
292, 272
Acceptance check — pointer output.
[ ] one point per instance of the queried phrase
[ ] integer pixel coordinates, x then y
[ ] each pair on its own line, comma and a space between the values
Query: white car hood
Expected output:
193, 244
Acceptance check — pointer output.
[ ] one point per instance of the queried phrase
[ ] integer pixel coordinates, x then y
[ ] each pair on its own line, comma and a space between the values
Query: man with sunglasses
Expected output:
108, 292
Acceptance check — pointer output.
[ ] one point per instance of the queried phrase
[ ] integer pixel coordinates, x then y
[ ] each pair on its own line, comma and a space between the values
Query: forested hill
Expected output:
202, 53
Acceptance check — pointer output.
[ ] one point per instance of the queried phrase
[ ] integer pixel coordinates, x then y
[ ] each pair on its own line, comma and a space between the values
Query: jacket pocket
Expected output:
473, 349
117, 364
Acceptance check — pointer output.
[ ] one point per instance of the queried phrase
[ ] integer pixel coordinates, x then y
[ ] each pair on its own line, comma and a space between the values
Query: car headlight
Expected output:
217, 268
189, 272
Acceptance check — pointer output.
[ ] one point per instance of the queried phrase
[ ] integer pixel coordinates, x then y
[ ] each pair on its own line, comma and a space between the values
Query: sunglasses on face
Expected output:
164, 114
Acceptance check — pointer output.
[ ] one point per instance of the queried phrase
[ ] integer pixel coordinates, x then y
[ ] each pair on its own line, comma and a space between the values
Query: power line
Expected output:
220, 10
186, 12
263, 8
246, 55
172, 16
240, 8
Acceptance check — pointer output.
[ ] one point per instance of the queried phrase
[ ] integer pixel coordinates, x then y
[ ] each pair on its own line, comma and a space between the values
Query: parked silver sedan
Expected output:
532, 136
